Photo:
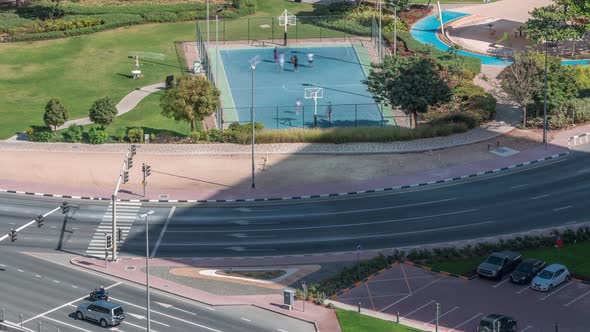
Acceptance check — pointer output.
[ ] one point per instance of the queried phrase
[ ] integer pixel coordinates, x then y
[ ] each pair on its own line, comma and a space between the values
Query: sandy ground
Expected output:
195, 172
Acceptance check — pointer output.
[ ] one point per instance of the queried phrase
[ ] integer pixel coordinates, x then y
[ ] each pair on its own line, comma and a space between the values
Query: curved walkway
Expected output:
126, 104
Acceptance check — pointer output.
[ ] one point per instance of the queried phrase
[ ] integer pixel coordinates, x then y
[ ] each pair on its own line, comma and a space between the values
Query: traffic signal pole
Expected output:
123, 178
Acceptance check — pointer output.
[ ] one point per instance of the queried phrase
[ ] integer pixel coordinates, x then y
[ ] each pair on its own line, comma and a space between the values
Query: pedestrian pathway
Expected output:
126, 214
126, 104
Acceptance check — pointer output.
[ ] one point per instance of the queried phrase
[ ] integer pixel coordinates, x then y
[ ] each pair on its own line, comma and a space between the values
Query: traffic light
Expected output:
119, 234
12, 235
133, 150
109, 241
129, 162
125, 176
65, 207
40, 220
147, 170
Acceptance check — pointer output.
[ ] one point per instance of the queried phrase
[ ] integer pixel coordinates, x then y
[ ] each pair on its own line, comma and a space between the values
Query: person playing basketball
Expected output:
275, 54
295, 63
310, 59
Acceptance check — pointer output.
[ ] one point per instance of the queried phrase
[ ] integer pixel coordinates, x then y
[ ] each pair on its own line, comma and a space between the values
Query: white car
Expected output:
550, 277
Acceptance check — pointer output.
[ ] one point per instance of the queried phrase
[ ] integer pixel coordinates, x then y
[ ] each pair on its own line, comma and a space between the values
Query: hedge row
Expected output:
350, 275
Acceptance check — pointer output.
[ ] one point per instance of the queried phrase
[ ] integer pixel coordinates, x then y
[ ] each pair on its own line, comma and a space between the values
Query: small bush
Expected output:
120, 135
194, 137
74, 134
135, 135
40, 134
97, 136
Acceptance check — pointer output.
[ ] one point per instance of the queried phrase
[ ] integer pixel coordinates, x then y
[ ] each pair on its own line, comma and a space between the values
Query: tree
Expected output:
411, 83
190, 99
103, 111
520, 82
547, 24
56, 114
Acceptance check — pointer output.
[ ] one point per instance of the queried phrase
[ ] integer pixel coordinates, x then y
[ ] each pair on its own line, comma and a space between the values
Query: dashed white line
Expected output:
245, 319
2, 265
19, 270
74, 286
542, 196
38, 276
519, 186
570, 222
281, 330
562, 208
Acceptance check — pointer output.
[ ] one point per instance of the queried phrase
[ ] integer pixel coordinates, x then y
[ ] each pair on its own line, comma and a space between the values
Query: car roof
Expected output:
107, 304
554, 267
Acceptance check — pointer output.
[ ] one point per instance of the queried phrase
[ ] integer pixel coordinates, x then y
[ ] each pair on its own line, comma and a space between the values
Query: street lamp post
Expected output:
545, 91
380, 53
219, 10
147, 267
253, 62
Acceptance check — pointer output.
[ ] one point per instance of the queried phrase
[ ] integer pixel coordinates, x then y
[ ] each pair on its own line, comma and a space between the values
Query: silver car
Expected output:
550, 277
103, 312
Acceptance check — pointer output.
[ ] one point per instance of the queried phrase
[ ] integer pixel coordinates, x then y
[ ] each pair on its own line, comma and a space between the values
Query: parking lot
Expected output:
414, 292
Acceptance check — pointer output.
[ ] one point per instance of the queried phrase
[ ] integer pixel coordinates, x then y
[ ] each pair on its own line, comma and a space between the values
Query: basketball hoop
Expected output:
287, 19
315, 94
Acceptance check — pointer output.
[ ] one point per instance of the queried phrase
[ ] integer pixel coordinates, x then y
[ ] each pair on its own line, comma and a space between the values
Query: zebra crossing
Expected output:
127, 213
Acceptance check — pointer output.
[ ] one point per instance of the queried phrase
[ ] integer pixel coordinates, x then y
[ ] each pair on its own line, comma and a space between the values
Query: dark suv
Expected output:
527, 270
497, 323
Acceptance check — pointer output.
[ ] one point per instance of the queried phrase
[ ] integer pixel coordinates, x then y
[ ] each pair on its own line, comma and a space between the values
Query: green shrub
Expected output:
135, 135
582, 74
74, 134
194, 137
120, 135
40, 134
97, 135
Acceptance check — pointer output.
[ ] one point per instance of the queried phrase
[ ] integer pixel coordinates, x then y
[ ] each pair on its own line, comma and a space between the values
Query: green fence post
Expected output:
355, 115
277, 117
272, 36
248, 31
303, 121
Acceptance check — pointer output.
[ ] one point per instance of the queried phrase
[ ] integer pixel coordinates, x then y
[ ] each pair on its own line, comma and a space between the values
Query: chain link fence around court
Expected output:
329, 116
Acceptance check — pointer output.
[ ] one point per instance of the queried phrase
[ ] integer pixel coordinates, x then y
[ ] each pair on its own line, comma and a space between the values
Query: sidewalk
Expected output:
131, 269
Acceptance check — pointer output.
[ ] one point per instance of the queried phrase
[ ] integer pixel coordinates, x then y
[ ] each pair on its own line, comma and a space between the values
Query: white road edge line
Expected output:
465, 322
66, 304
157, 245
577, 298
169, 316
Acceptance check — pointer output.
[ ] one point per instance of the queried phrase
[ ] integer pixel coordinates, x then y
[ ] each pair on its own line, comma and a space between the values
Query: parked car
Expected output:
497, 323
551, 276
527, 270
105, 313
499, 263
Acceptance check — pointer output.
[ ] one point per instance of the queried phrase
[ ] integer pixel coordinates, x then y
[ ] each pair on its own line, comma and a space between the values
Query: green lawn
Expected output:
576, 257
351, 321
449, 1
79, 70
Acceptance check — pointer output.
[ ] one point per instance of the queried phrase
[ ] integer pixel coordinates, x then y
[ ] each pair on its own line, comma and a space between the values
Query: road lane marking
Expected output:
522, 290
66, 304
38, 276
542, 196
245, 319
157, 245
413, 311
406, 278
455, 308
577, 298
526, 328
139, 327
170, 306
19, 270
519, 186
169, 316
76, 287
405, 297
141, 317
66, 324
570, 222
557, 290
281, 330
562, 208
500, 283
465, 322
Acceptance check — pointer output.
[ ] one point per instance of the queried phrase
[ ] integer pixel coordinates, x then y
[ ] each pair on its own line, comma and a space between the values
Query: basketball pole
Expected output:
315, 110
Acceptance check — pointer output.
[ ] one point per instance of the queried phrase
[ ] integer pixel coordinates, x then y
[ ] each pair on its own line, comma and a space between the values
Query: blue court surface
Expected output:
336, 69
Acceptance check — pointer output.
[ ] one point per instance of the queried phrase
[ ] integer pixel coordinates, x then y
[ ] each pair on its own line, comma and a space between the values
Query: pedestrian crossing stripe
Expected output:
127, 213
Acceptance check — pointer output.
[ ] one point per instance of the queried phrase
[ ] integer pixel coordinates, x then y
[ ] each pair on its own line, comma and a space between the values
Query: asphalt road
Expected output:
540, 196
47, 294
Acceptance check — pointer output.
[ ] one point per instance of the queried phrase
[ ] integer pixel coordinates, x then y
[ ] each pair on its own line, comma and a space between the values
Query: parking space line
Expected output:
245, 319
139, 327
522, 290
66, 304
66, 324
405, 297
370, 297
169, 316
406, 278
526, 328
431, 301
465, 322
440, 316
555, 291
498, 284
577, 298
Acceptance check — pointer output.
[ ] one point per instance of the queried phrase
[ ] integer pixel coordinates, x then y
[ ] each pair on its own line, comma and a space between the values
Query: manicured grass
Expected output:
576, 257
351, 321
449, 1
79, 70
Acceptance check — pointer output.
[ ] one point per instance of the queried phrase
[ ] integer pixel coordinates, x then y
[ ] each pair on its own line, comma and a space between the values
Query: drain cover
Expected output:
504, 151
163, 196
130, 268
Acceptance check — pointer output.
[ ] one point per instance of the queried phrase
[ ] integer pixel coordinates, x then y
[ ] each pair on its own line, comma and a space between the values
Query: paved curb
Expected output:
578, 140
244, 200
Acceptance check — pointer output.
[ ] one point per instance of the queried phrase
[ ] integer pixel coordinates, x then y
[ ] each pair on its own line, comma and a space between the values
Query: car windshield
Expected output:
525, 268
494, 260
118, 311
546, 274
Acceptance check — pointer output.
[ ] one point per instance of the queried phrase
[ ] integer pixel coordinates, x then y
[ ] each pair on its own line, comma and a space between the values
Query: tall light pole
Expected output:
207, 23
253, 62
147, 267
380, 53
219, 10
545, 88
